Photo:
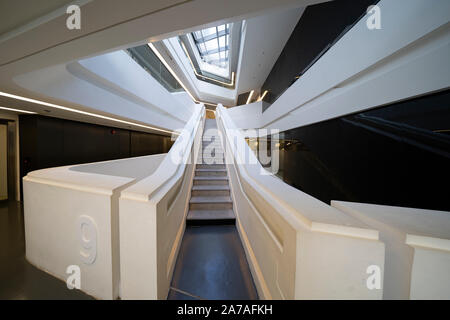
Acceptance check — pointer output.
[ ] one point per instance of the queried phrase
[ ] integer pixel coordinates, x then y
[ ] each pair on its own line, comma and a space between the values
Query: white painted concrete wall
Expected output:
136, 168
152, 218
264, 38
72, 218
406, 58
417, 248
112, 84
247, 116
298, 247
3, 162
262, 41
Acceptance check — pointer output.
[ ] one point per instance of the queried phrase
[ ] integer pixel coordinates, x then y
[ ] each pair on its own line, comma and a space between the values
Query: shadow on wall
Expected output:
395, 155
318, 28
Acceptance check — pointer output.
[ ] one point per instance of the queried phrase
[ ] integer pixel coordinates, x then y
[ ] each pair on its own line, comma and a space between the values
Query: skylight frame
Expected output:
211, 48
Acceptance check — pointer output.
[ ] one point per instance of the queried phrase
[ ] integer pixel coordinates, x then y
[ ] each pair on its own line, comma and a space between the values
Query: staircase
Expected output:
210, 202
211, 248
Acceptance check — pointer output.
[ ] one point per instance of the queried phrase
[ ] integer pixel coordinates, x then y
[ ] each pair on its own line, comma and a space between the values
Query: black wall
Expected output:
319, 26
394, 155
49, 142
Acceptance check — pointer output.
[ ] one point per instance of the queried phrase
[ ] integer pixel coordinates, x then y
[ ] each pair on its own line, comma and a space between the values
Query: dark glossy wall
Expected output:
319, 26
49, 142
394, 155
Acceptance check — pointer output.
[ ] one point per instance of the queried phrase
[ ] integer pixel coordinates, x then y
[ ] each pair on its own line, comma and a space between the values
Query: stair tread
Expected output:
211, 169
211, 187
210, 178
210, 214
212, 199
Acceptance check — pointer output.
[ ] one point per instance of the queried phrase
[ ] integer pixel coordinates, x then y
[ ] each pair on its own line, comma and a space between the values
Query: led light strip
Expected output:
17, 110
250, 96
262, 97
51, 105
202, 76
175, 76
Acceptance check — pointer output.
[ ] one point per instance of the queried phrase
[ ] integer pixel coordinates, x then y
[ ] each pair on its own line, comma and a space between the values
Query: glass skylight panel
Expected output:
222, 41
213, 45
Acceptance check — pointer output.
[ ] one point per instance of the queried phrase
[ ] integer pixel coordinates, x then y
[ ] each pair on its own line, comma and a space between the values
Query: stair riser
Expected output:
211, 149
210, 193
211, 144
210, 182
208, 155
210, 152
210, 173
210, 166
210, 161
207, 222
211, 206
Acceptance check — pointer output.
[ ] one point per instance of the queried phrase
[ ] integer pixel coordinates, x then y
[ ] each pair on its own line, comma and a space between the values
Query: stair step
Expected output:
210, 172
218, 148
210, 217
210, 203
210, 154
210, 166
210, 191
211, 180
210, 161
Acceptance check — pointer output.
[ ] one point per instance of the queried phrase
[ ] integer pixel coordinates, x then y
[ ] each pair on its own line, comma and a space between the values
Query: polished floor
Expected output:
19, 280
211, 264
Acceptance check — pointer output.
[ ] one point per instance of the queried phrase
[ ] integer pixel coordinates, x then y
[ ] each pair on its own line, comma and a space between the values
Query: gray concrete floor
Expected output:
18, 278
211, 264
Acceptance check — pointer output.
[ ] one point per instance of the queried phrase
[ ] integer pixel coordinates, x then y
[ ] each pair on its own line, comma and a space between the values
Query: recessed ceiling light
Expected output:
17, 110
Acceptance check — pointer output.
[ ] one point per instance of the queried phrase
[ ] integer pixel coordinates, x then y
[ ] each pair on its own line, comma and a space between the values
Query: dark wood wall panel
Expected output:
47, 142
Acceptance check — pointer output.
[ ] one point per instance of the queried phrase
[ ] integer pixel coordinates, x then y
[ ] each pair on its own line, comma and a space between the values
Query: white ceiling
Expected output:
262, 41
265, 38
109, 25
16, 13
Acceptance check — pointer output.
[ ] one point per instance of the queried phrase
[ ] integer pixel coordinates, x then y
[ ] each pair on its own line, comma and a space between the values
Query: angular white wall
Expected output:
112, 84
71, 217
406, 58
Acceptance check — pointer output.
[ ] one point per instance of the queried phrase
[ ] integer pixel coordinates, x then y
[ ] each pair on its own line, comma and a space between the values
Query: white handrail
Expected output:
296, 207
172, 165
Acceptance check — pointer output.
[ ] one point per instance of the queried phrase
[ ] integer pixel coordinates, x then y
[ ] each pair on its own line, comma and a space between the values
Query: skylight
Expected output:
213, 45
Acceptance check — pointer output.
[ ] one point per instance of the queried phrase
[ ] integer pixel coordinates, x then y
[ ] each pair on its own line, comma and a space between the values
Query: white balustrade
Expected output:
417, 248
72, 219
297, 246
152, 218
